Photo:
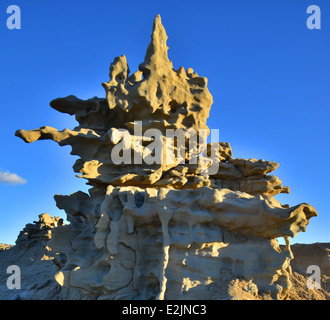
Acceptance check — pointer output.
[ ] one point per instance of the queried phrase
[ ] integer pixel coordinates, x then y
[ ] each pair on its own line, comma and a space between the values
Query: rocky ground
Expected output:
38, 265
317, 254
35, 261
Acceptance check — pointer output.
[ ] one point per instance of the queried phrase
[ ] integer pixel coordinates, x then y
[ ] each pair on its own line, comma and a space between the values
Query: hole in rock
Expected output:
139, 199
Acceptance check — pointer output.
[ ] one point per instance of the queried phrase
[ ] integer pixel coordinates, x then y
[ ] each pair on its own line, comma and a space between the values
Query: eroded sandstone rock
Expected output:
35, 262
166, 229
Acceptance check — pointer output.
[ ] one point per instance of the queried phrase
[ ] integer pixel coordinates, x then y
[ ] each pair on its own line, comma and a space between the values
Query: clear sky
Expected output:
268, 73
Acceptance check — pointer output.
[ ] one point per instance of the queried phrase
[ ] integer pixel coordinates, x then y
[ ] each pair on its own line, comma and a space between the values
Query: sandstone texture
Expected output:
201, 225
34, 259
316, 254
39, 265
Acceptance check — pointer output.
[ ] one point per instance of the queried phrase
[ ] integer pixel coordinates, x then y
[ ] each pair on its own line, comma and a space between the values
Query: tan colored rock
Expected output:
162, 98
306, 255
252, 167
36, 262
222, 149
38, 231
312, 254
166, 229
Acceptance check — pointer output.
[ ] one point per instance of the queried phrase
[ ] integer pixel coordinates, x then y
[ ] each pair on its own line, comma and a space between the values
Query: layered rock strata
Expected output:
159, 227
35, 278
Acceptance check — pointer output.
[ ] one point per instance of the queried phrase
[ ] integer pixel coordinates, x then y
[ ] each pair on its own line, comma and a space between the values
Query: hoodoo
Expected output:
166, 229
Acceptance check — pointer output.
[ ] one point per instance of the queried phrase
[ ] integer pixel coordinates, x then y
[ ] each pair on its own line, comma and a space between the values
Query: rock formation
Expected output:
35, 261
153, 226
39, 264
306, 255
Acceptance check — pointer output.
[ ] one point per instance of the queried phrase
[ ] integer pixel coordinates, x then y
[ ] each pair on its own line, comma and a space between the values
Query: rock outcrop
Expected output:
39, 265
316, 255
34, 260
168, 215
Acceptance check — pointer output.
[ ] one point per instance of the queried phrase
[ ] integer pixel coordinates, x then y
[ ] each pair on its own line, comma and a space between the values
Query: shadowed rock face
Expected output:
35, 261
166, 230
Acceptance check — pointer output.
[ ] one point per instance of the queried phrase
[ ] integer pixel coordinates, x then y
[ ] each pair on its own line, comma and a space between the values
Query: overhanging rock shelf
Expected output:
166, 230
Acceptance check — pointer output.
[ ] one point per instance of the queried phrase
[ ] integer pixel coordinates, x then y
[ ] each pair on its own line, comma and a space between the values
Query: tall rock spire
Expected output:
156, 56
156, 225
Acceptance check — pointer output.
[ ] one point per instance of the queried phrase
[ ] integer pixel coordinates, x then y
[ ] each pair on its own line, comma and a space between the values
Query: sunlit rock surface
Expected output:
165, 229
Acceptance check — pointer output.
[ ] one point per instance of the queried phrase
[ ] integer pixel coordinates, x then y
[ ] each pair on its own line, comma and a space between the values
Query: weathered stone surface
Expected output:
306, 255
158, 95
36, 262
194, 225
38, 231
166, 229
253, 167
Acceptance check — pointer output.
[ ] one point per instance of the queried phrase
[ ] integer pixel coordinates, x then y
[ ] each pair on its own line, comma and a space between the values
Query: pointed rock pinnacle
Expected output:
156, 55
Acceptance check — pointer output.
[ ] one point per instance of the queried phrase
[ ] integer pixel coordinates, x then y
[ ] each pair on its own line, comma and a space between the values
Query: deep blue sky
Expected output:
269, 76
